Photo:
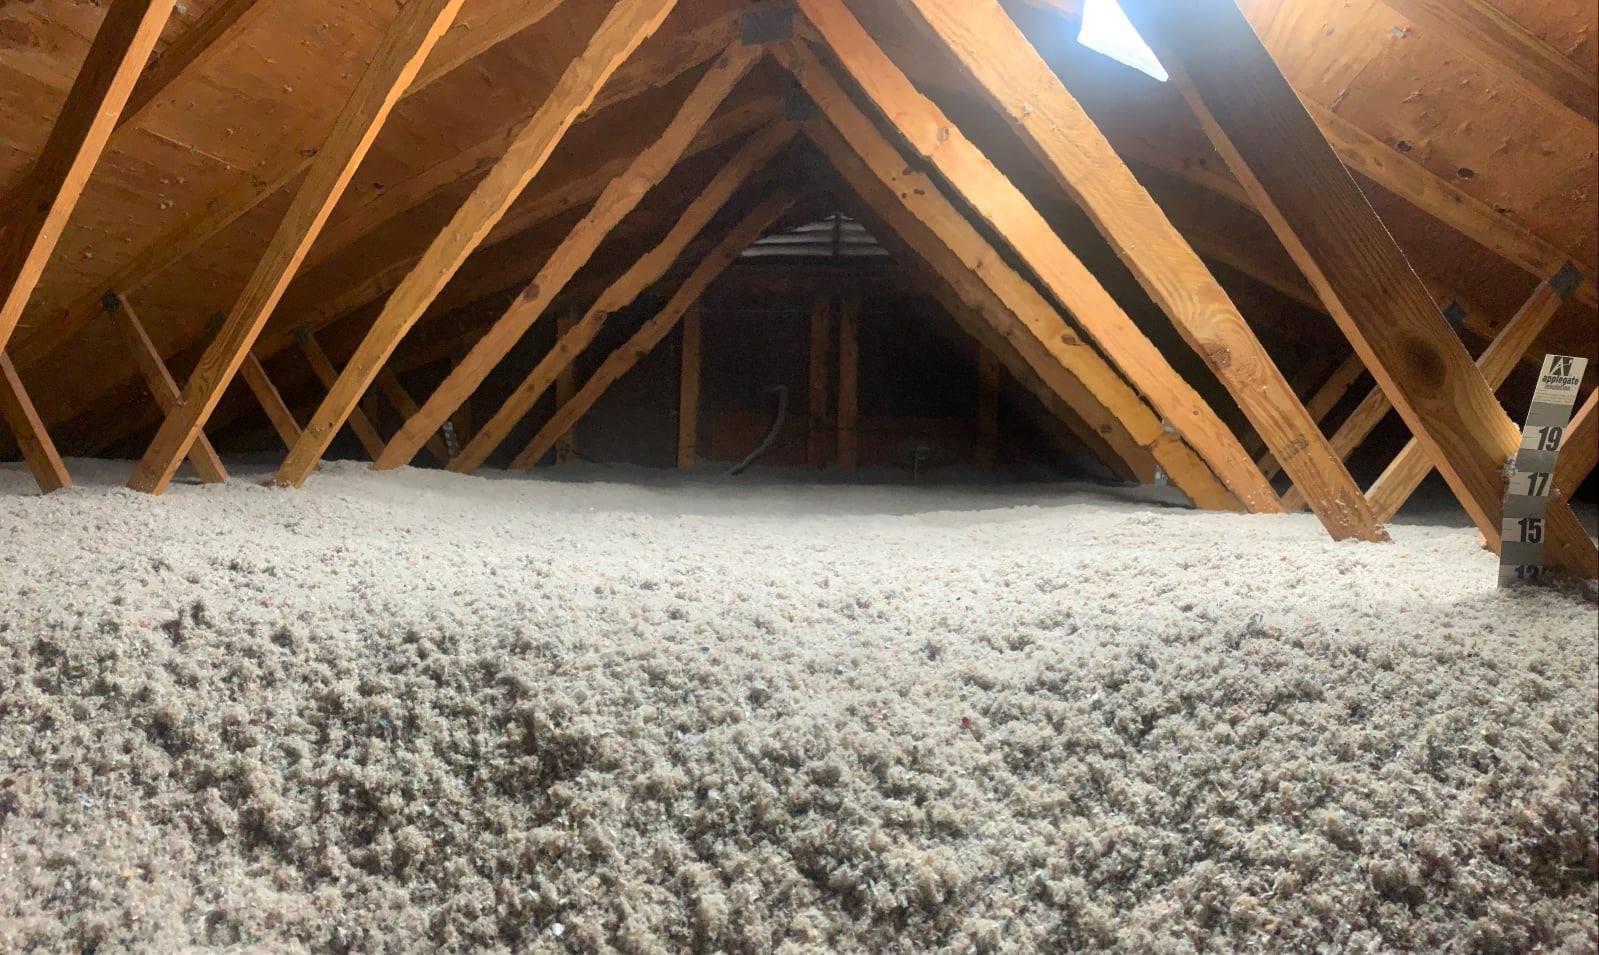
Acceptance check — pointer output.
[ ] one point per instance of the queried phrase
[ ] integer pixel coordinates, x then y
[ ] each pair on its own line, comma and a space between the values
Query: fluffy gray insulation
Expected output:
419, 712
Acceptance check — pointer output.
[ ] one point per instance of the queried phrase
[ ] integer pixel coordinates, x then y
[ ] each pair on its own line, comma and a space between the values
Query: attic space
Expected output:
799, 476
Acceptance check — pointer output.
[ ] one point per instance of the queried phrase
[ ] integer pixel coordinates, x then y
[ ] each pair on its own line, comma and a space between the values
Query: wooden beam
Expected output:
1410, 467
162, 386
1296, 181
1018, 316
1509, 53
126, 36
1579, 450
1321, 404
1072, 149
988, 381
271, 401
389, 384
492, 23
688, 392
621, 197
566, 387
323, 368
405, 46
38, 451
820, 392
994, 198
627, 25
849, 381
1060, 344
754, 155
1417, 185
620, 362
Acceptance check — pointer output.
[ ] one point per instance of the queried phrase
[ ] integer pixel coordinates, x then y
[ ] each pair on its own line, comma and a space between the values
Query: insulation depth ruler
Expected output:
1526, 497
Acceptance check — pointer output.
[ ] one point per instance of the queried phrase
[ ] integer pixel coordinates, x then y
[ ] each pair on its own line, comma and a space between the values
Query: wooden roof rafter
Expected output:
624, 28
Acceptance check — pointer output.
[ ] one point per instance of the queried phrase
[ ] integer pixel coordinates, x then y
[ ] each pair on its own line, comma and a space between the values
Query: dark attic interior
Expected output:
787, 476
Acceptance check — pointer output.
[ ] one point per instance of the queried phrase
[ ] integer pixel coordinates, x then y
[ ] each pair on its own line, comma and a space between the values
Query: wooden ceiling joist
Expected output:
619, 198
1062, 273
121, 46
405, 46
1275, 149
916, 209
626, 26
1066, 141
163, 387
658, 326
648, 270
1410, 467
19, 414
1509, 52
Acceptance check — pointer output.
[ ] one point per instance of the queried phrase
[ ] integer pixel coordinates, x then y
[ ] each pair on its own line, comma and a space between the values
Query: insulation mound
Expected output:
418, 712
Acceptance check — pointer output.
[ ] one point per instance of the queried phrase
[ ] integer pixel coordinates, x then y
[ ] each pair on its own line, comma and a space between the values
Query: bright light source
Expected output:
1107, 30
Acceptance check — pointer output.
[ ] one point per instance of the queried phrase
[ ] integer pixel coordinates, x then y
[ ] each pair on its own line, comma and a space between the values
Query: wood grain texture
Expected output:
164, 389
621, 197
752, 156
53, 186
38, 451
1579, 452
688, 391
1321, 404
1410, 467
400, 55
1519, 59
999, 203
566, 387
1277, 152
627, 25
621, 361
359, 422
1068, 144
400, 399
1020, 318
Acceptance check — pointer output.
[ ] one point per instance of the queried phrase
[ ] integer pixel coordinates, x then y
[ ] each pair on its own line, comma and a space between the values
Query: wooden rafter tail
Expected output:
620, 362
1063, 274
820, 393
626, 26
163, 388
1052, 347
1510, 53
400, 399
38, 451
1071, 147
405, 46
322, 367
621, 197
1410, 467
271, 401
754, 155
1257, 123
1321, 405
1018, 317
1579, 449
849, 381
119, 51
688, 392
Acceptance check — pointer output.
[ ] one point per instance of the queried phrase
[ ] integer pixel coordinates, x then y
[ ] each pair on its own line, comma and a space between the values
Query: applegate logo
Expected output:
1560, 372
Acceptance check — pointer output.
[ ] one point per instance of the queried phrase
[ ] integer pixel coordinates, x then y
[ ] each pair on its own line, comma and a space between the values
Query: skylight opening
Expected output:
1107, 30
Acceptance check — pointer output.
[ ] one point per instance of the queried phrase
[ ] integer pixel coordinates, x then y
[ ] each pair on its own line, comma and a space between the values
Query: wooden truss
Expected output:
1008, 279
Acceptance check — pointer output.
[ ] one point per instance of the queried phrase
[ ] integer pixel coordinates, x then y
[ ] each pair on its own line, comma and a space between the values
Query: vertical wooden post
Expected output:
821, 335
849, 371
688, 391
565, 388
37, 449
987, 408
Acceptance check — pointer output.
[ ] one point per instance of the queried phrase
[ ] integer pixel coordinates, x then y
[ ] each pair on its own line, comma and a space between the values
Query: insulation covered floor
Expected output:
415, 711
